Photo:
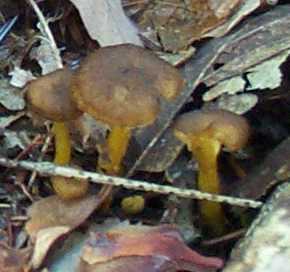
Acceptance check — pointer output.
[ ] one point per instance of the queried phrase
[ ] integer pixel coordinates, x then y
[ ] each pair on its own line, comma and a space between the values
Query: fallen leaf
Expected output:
106, 22
178, 23
260, 38
54, 212
273, 170
51, 218
45, 57
8, 120
19, 77
239, 104
142, 248
45, 238
245, 8
14, 139
13, 260
10, 97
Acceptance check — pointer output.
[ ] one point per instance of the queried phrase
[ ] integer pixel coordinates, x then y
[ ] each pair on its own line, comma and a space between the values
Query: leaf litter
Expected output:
237, 58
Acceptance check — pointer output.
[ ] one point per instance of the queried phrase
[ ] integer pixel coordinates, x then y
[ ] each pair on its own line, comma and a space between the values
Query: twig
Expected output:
50, 169
43, 152
226, 238
46, 32
5, 206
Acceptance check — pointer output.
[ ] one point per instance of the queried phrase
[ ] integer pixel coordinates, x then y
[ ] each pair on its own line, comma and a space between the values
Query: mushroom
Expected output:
49, 97
205, 132
122, 86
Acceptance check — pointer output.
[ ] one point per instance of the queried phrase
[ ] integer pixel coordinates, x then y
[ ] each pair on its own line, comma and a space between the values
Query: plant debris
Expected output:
232, 56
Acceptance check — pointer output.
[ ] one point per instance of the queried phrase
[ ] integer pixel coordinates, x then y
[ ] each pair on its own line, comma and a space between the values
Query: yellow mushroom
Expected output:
49, 97
205, 132
121, 86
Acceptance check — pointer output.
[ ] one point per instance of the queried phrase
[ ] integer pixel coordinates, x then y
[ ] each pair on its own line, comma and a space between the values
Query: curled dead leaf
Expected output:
143, 248
51, 218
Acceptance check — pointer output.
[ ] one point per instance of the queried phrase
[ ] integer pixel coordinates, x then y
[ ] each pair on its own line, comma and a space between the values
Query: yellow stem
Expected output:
117, 145
62, 143
118, 141
65, 188
206, 151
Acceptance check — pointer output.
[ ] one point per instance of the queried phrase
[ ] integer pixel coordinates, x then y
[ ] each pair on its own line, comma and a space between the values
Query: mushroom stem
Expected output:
62, 143
206, 151
118, 141
65, 188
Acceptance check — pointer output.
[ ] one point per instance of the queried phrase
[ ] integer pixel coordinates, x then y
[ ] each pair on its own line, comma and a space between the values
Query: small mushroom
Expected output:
205, 132
122, 86
49, 97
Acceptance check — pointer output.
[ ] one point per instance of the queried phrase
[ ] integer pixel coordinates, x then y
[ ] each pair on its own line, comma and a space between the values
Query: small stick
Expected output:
228, 237
43, 152
50, 169
46, 32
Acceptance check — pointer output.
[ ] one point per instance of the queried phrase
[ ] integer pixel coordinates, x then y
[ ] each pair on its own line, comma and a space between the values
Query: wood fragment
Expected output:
266, 246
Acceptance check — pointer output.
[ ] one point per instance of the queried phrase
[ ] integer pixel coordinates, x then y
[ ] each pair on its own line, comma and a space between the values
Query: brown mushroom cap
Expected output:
230, 129
49, 96
121, 85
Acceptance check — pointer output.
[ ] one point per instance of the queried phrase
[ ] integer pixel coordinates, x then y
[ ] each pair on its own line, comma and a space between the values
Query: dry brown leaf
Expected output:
51, 218
106, 22
179, 23
53, 212
245, 8
13, 260
143, 248
45, 238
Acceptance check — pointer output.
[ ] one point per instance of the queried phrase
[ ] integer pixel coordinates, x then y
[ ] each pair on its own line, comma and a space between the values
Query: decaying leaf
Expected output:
10, 97
15, 139
177, 58
239, 104
142, 248
261, 39
271, 68
45, 57
7, 121
51, 218
178, 23
13, 260
273, 170
255, 76
266, 246
44, 239
19, 77
245, 8
106, 22
232, 86
59, 213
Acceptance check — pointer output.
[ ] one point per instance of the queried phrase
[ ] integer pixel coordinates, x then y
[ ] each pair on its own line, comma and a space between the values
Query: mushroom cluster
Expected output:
121, 86
205, 132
